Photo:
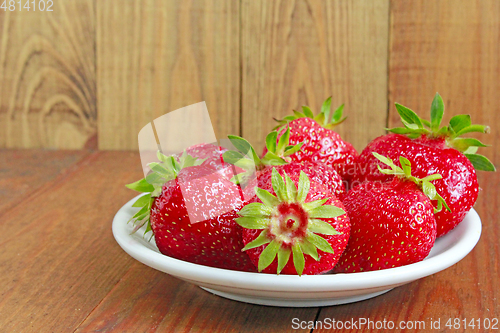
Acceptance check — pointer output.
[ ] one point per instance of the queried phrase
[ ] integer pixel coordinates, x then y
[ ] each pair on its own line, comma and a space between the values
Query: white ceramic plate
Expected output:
298, 291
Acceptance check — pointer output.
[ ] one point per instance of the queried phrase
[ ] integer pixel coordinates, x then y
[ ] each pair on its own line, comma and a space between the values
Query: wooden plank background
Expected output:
451, 48
48, 78
157, 56
91, 73
298, 53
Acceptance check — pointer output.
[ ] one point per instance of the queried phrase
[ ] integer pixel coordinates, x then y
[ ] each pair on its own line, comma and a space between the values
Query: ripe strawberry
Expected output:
278, 155
287, 217
392, 223
320, 143
212, 156
191, 210
319, 173
432, 149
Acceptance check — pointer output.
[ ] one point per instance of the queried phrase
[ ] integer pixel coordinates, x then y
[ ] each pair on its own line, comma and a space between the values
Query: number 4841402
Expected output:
33, 5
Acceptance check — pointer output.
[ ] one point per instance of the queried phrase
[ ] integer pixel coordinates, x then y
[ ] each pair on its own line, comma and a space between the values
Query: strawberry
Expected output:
293, 216
191, 208
392, 223
278, 155
433, 149
320, 143
212, 156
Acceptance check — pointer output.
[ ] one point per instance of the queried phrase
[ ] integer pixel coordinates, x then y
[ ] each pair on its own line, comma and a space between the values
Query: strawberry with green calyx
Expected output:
293, 217
450, 136
190, 208
323, 118
212, 155
278, 155
167, 168
392, 223
405, 172
321, 143
279, 150
432, 149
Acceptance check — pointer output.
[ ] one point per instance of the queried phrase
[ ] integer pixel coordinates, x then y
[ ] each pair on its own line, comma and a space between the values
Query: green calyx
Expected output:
167, 168
323, 118
245, 157
290, 225
459, 125
279, 150
405, 172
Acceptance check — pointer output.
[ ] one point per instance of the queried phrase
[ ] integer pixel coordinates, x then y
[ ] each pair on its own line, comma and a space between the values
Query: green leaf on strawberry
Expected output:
405, 172
141, 186
246, 158
167, 168
480, 162
458, 125
323, 118
437, 112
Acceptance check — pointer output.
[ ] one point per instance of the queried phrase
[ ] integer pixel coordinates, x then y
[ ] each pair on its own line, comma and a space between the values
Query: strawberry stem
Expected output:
245, 157
414, 126
323, 117
161, 172
405, 172
289, 224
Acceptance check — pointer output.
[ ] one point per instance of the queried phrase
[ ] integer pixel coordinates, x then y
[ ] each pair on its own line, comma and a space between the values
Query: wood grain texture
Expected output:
62, 270
59, 258
47, 77
18, 179
146, 300
300, 52
157, 56
450, 47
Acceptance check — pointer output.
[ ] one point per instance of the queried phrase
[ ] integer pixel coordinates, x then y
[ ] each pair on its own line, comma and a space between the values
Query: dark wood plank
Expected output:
59, 258
59, 261
146, 300
22, 172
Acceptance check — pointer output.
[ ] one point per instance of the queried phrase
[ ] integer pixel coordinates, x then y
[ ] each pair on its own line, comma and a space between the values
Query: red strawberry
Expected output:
320, 143
292, 216
433, 150
321, 174
392, 223
278, 155
191, 211
212, 156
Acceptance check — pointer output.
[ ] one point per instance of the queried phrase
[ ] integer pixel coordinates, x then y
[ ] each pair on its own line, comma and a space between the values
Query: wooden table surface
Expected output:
62, 270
